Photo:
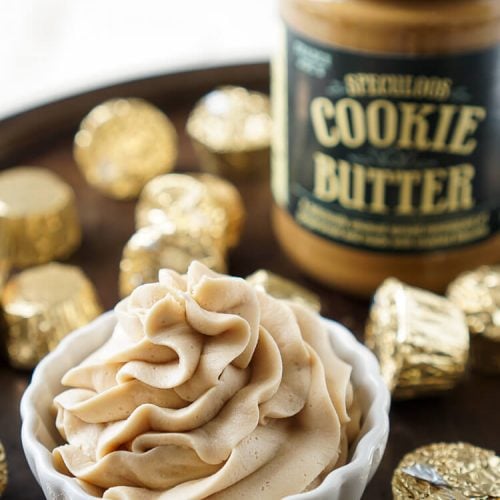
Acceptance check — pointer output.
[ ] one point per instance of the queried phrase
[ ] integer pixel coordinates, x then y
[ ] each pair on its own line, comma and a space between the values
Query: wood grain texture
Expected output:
44, 137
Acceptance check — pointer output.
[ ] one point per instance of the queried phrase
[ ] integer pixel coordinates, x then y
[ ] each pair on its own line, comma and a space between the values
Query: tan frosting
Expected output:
207, 388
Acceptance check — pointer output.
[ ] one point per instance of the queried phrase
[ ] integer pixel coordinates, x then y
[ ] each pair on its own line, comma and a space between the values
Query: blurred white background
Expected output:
54, 48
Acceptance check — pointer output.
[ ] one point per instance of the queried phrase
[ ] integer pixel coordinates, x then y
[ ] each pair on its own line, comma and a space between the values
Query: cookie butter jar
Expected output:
386, 156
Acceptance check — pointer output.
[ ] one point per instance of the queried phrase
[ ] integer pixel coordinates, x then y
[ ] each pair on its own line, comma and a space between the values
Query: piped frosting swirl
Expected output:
207, 388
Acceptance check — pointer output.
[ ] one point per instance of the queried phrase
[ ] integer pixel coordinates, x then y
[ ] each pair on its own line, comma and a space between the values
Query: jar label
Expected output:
388, 153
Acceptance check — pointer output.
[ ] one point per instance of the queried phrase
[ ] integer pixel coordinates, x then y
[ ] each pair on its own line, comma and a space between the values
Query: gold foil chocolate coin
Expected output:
448, 471
122, 144
477, 293
164, 246
40, 212
231, 129
41, 306
4, 475
282, 288
420, 339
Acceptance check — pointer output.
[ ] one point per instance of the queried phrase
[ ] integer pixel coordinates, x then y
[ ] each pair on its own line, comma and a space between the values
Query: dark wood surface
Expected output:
44, 137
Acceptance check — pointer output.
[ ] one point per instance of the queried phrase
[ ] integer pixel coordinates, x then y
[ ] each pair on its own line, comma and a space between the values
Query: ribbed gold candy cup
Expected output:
230, 129
164, 246
122, 144
477, 293
282, 288
464, 471
420, 339
41, 306
41, 215
227, 196
4, 473
185, 203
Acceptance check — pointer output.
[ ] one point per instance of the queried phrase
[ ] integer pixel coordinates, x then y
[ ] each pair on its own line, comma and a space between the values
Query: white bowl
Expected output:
39, 435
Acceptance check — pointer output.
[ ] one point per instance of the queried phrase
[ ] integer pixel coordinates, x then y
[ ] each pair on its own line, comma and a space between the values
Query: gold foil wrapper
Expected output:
41, 306
227, 196
282, 288
466, 471
122, 144
420, 339
5, 251
4, 473
477, 293
156, 247
231, 129
40, 214
182, 202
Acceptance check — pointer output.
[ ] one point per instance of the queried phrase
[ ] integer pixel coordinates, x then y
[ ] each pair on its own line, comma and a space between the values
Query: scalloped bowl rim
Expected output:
348, 481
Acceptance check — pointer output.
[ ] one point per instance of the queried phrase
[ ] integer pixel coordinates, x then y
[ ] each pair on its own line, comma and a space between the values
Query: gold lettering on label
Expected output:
375, 110
326, 186
352, 193
323, 109
408, 80
353, 85
406, 126
460, 189
378, 178
415, 126
384, 113
444, 89
446, 113
412, 191
468, 121
397, 86
431, 187
408, 180
351, 122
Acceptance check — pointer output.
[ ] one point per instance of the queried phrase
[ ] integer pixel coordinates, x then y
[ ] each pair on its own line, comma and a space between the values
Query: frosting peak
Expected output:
207, 388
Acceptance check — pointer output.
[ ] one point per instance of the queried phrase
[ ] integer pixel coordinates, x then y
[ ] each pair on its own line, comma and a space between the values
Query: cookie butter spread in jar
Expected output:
386, 158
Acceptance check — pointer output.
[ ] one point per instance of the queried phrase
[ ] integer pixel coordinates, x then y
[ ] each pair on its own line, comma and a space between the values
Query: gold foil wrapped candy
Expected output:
122, 144
281, 288
42, 305
228, 197
201, 203
164, 246
477, 293
40, 212
441, 471
420, 339
184, 203
5, 251
231, 129
4, 474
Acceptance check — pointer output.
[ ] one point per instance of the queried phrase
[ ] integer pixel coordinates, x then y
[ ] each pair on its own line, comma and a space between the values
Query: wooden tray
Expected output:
43, 136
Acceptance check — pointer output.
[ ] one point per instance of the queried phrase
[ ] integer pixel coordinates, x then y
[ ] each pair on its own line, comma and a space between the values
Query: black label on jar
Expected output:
388, 153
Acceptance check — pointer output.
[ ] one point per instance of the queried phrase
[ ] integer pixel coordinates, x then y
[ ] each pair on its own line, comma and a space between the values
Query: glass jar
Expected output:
386, 158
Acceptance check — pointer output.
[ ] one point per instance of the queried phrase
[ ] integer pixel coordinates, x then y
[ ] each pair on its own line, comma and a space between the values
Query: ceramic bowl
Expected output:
39, 434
